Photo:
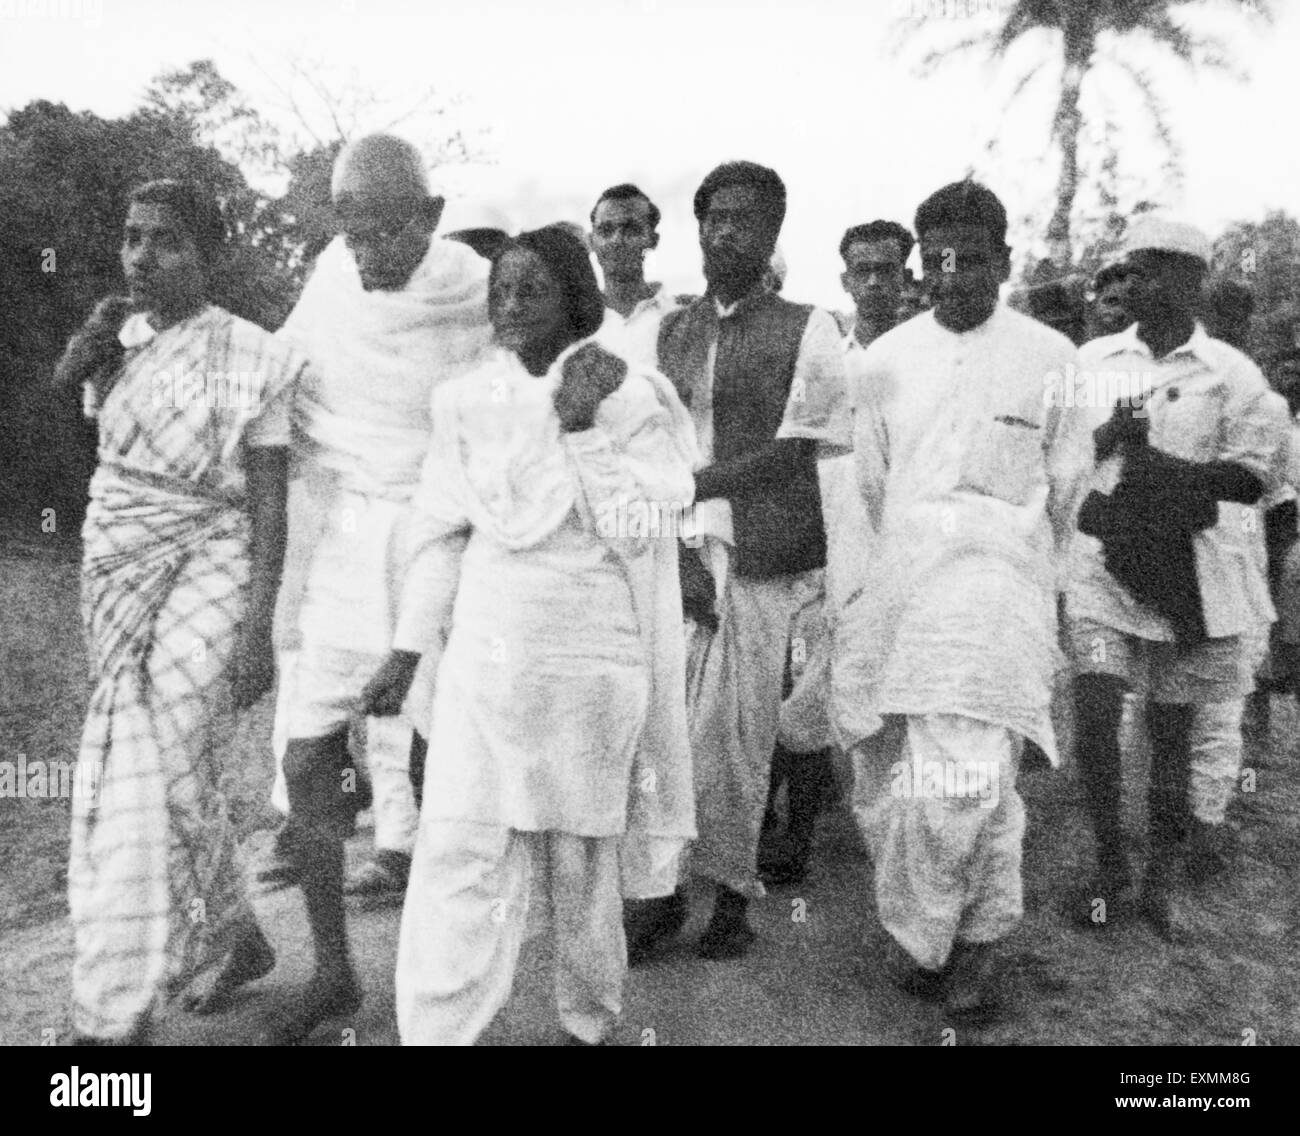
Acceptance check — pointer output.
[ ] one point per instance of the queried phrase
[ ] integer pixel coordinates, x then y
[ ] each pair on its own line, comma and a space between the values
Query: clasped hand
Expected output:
589, 376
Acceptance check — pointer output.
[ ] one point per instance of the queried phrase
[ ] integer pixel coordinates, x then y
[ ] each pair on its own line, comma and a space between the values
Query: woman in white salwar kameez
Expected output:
561, 612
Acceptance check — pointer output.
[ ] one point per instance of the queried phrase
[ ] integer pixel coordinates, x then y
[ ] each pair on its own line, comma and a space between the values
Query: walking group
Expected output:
570, 585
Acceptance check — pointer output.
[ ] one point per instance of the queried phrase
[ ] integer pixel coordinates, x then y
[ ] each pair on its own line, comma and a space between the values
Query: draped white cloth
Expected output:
362, 428
559, 703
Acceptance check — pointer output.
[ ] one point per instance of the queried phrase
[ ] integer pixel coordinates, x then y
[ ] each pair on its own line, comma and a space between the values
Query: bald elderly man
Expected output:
390, 311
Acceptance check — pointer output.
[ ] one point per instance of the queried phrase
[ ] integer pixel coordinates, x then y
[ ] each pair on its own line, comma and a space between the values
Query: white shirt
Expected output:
1208, 403
636, 335
963, 446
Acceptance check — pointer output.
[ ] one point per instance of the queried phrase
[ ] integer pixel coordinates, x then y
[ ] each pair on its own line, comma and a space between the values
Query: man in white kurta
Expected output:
962, 445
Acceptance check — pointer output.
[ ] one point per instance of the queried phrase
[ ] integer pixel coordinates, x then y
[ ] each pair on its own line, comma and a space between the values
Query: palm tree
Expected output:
1085, 31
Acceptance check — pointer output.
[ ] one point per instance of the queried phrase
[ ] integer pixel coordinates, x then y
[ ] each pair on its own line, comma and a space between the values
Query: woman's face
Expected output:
161, 262
526, 303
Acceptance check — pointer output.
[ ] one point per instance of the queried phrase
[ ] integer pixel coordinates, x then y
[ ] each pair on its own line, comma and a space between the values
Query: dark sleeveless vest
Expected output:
778, 530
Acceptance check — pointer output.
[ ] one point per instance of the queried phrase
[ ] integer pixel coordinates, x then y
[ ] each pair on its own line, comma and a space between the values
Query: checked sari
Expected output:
154, 890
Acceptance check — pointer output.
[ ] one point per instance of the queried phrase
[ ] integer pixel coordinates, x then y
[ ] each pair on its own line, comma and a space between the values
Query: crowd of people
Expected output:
572, 585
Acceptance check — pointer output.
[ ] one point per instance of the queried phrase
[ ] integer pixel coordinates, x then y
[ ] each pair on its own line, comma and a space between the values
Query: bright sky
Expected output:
570, 96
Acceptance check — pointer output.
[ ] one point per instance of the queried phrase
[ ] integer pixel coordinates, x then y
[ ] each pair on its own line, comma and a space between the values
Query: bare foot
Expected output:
328, 995
251, 959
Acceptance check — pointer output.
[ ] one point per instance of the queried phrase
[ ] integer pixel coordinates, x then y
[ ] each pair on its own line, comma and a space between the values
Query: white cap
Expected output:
1151, 231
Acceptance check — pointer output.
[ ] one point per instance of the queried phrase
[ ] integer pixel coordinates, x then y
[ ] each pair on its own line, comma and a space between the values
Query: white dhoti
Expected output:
948, 861
467, 916
336, 628
735, 679
805, 725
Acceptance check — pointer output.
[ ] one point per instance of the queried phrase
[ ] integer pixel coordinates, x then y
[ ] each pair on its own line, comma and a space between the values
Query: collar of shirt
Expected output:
658, 300
726, 311
1127, 341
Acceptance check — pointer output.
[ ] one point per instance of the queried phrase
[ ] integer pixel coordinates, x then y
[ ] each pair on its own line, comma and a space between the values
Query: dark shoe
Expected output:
650, 923
384, 874
574, 1039
727, 936
969, 989
904, 973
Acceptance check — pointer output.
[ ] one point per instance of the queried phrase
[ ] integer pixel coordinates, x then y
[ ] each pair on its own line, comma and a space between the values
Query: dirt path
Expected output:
810, 980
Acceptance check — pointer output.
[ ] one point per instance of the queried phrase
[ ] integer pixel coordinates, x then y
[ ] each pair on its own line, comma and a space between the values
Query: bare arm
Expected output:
266, 471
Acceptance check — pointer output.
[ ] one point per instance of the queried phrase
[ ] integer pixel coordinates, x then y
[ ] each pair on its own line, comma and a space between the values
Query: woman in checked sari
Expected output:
184, 538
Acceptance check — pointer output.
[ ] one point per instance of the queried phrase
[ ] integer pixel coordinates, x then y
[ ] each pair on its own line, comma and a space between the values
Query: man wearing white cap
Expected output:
389, 312
1162, 587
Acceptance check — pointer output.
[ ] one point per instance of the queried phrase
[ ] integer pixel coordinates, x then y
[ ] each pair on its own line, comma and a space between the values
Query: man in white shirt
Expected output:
624, 228
963, 445
1203, 412
874, 257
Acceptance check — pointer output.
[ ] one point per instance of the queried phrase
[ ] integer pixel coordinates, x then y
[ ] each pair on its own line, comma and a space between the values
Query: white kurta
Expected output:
969, 459
556, 639
559, 717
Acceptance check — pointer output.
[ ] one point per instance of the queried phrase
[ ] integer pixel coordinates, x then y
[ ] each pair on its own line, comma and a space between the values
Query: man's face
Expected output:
621, 236
737, 237
160, 260
388, 238
1163, 285
873, 277
962, 267
525, 303
1110, 313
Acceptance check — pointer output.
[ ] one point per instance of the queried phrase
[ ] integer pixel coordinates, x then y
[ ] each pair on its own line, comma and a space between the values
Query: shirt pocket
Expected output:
1185, 421
1004, 459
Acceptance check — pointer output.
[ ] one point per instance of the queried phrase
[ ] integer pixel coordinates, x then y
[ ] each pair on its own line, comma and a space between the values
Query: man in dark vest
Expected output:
764, 381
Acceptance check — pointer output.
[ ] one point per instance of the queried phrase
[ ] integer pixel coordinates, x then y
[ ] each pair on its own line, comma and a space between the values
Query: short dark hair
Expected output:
767, 181
963, 203
878, 231
566, 257
197, 210
627, 192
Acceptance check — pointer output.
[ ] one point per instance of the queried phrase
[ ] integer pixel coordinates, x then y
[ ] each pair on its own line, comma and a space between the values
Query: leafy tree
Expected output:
1088, 38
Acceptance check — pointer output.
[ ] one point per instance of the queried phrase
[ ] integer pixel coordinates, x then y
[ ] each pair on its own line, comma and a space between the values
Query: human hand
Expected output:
384, 694
589, 376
